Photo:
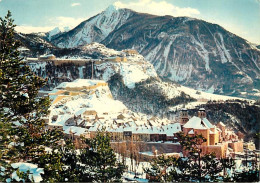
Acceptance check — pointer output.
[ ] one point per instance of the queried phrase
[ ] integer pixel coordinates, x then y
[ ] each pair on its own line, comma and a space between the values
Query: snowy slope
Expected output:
194, 53
189, 51
100, 49
131, 72
107, 111
94, 29
138, 85
56, 31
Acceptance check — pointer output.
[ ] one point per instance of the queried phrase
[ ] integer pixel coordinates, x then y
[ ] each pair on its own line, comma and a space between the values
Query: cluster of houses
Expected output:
125, 126
129, 126
219, 139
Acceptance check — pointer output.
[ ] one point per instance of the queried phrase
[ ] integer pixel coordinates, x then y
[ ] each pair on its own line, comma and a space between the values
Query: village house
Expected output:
218, 139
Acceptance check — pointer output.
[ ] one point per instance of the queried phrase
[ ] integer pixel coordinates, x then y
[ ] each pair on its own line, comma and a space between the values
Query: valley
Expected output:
127, 96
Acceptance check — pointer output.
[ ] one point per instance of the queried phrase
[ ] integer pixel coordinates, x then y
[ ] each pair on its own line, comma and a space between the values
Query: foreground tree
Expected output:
163, 169
99, 160
196, 166
23, 136
193, 167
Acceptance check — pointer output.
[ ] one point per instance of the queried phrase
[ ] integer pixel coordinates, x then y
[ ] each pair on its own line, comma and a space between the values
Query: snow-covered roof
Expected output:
201, 109
75, 130
198, 123
206, 121
170, 129
219, 129
61, 119
222, 124
80, 111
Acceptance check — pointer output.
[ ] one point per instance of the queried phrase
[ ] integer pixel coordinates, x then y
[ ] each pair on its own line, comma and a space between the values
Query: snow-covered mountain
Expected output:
56, 32
194, 53
135, 83
81, 106
95, 29
35, 44
189, 51
133, 80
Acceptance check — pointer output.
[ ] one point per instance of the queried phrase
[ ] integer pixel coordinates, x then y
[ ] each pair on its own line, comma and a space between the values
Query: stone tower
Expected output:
184, 116
202, 113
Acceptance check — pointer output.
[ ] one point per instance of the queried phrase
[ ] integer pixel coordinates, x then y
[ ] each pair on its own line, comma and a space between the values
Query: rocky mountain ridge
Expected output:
189, 51
146, 93
95, 29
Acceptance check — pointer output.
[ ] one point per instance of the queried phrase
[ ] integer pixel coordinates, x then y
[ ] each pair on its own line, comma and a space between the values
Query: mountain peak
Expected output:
112, 8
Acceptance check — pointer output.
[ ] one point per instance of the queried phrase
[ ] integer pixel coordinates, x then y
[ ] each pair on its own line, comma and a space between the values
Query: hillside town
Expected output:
125, 125
129, 96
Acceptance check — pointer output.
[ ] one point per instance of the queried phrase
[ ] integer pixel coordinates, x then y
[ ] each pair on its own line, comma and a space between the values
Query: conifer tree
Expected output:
23, 136
193, 167
163, 169
99, 160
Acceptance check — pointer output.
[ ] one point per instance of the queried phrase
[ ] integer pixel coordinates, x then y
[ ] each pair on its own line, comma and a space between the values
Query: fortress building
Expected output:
219, 139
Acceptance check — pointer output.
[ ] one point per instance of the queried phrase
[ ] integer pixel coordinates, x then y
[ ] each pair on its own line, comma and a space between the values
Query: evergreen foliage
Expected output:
198, 167
23, 134
193, 167
99, 160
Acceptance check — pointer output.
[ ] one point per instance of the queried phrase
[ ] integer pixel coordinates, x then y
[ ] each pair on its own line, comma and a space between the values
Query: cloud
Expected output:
158, 8
60, 22
239, 30
75, 4
32, 29
65, 21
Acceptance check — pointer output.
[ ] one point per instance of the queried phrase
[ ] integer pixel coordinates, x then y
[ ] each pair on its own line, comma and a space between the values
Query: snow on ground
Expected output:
101, 49
204, 53
105, 22
190, 105
35, 172
109, 113
200, 95
34, 66
99, 100
131, 72
139, 167
56, 31
80, 83
135, 73
113, 114
81, 74
169, 90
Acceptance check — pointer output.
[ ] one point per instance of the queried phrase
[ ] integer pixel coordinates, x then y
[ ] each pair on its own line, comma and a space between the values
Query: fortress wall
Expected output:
236, 146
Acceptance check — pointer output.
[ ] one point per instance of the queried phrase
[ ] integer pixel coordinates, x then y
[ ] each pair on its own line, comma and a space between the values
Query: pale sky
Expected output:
241, 17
